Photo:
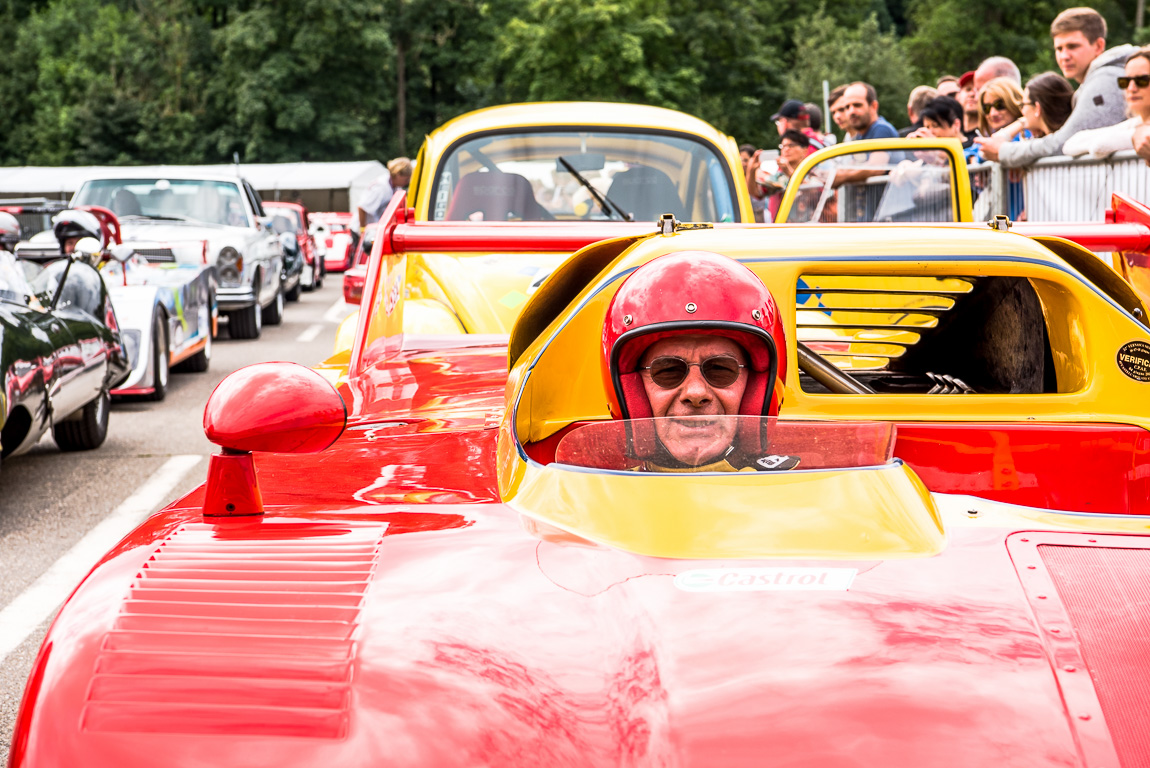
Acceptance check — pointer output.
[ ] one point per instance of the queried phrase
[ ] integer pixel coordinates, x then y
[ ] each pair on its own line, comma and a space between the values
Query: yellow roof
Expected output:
574, 113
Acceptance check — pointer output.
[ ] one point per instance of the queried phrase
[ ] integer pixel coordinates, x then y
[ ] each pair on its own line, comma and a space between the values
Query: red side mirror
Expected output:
274, 407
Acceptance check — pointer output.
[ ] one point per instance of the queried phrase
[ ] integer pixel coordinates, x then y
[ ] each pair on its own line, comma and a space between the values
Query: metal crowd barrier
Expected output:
1069, 189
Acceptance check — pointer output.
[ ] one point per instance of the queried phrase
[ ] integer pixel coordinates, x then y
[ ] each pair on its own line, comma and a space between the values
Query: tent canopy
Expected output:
321, 186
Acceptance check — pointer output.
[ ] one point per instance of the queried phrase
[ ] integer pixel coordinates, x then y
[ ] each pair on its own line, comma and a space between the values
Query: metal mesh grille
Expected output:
1106, 592
158, 255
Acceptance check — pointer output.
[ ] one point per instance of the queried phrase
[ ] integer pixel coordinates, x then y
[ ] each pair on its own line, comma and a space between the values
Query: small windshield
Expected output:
13, 285
877, 187
726, 444
585, 175
211, 202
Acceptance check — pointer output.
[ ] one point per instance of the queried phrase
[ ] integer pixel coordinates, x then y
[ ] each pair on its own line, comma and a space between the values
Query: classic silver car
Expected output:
227, 213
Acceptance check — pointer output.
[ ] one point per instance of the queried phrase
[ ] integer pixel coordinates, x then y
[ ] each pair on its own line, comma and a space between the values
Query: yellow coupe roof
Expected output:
574, 113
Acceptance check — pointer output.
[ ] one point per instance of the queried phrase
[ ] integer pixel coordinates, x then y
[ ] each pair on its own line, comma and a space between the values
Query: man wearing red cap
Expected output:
968, 98
793, 116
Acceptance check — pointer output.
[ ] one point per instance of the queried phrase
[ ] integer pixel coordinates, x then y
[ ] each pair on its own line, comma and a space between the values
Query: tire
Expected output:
320, 271
199, 362
161, 366
245, 323
293, 294
89, 430
274, 313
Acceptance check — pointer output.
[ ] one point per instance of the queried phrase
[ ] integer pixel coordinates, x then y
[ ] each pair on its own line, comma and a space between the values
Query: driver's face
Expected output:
70, 244
695, 441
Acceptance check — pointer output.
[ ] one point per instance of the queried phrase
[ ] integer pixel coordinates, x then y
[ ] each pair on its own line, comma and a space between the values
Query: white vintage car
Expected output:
224, 211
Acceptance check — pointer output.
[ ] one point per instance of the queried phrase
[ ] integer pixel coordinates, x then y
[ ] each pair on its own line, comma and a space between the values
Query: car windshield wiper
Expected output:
169, 217
600, 197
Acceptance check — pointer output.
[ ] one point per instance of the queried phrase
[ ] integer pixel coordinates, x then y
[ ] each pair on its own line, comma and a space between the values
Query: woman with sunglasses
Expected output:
1103, 142
690, 339
999, 108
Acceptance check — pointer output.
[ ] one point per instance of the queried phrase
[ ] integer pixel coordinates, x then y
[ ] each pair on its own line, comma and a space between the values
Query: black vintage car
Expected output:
60, 354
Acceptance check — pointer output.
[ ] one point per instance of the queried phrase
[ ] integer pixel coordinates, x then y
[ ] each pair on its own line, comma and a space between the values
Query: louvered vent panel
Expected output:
1106, 592
862, 322
244, 631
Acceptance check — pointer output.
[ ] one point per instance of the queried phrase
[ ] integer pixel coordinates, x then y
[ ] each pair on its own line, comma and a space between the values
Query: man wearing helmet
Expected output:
9, 232
72, 226
692, 339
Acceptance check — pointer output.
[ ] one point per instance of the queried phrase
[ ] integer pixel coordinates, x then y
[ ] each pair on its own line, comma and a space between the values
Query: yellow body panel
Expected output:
558, 380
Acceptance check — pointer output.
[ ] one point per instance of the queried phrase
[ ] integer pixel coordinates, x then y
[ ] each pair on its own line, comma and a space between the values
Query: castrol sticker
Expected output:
766, 580
1134, 360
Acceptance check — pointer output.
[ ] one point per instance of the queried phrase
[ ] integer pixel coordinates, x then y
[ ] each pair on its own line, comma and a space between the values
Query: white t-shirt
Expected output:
376, 198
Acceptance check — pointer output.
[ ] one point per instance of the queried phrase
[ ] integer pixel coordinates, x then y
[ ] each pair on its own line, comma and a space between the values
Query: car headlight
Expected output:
231, 265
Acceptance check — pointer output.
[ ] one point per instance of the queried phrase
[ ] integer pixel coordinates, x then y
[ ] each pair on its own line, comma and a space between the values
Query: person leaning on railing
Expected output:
1103, 142
1079, 36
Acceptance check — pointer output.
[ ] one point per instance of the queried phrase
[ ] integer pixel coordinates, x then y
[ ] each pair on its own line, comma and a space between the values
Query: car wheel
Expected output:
274, 314
293, 294
245, 323
160, 358
198, 363
89, 430
320, 271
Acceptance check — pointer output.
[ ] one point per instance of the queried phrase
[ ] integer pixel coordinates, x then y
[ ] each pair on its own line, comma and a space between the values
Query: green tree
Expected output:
825, 50
307, 80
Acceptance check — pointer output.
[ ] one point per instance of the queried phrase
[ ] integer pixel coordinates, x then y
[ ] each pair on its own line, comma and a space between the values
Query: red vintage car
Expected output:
450, 554
297, 221
334, 238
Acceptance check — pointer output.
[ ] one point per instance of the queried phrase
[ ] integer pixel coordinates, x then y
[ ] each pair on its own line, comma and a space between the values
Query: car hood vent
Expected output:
157, 255
1106, 594
244, 628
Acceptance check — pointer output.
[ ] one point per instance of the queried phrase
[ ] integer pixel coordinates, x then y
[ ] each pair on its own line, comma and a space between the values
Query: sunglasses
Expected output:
998, 104
1142, 81
669, 372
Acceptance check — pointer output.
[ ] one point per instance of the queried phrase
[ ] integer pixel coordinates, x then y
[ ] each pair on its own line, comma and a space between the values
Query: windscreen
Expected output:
210, 202
726, 444
584, 175
13, 285
877, 186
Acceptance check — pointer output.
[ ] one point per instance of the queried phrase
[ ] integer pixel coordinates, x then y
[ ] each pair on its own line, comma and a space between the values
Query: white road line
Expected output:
338, 311
20, 617
310, 333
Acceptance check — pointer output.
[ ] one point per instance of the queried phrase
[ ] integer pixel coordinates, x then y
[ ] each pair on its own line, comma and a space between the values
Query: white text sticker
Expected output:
766, 579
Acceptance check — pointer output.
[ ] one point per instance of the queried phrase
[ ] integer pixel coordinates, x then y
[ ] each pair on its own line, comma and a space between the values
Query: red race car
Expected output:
515, 551
334, 239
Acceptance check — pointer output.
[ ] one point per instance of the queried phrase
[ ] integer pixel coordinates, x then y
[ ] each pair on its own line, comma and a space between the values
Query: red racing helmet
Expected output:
693, 293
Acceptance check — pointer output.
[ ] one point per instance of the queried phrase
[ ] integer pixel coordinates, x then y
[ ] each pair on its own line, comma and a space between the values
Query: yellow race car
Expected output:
558, 166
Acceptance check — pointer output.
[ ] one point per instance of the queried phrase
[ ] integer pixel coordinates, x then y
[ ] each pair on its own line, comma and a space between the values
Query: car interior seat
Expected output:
646, 193
125, 203
496, 196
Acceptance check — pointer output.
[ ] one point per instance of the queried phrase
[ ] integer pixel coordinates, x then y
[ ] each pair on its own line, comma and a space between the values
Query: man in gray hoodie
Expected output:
1080, 49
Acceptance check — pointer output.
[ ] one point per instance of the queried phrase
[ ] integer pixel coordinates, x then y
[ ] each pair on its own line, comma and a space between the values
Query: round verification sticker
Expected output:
1134, 360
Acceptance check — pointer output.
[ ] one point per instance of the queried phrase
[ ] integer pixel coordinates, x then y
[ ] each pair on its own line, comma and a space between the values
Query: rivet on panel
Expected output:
1083, 715
1024, 540
691, 308
973, 513
1093, 541
1041, 597
627, 319
1070, 668
757, 314
1031, 567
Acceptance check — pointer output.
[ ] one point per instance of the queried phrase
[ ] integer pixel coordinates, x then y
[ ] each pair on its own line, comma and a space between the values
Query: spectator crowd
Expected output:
995, 116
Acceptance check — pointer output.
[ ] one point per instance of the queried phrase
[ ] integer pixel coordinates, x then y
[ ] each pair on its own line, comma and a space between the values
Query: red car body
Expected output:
334, 237
389, 606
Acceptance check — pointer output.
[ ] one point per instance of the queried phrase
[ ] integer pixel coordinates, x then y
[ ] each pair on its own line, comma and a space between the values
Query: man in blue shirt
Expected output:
861, 105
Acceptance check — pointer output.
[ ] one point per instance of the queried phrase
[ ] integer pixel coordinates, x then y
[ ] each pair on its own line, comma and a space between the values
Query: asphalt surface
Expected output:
49, 500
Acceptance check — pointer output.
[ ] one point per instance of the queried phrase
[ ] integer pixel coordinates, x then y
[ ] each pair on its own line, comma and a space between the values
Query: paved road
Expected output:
49, 501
